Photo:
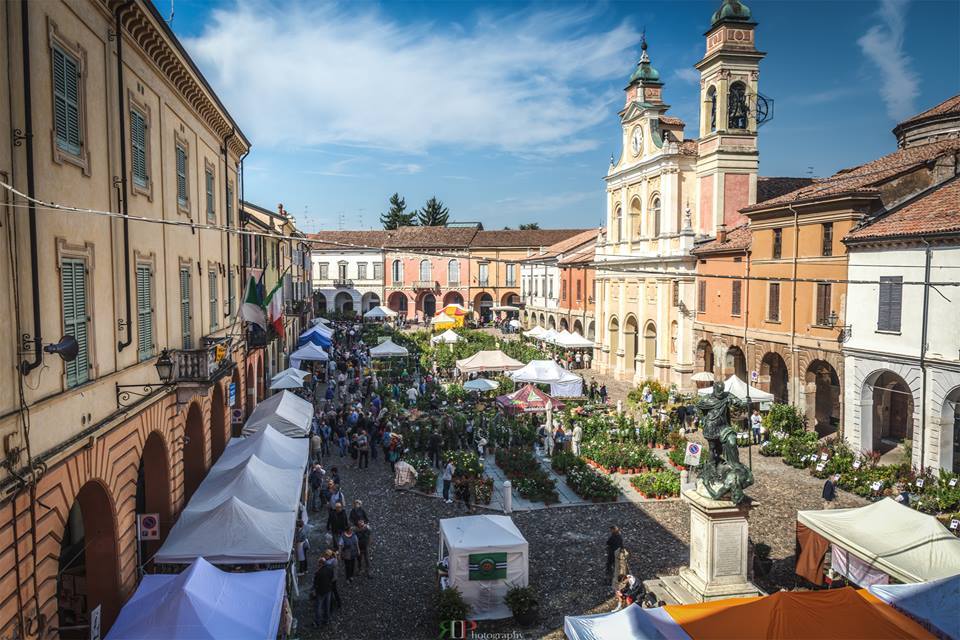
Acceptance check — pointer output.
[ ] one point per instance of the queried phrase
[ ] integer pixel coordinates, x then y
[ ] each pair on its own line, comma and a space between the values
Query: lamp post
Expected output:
166, 368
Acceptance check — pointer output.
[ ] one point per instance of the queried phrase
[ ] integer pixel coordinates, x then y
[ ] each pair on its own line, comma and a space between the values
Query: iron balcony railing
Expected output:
204, 365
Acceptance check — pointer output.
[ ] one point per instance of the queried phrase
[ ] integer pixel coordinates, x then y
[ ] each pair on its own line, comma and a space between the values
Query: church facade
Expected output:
667, 192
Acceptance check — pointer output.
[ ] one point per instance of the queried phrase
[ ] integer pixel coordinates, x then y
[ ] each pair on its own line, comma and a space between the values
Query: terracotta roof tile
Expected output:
586, 253
950, 106
936, 211
688, 147
535, 238
564, 246
865, 178
672, 121
343, 240
431, 237
738, 239
769, 188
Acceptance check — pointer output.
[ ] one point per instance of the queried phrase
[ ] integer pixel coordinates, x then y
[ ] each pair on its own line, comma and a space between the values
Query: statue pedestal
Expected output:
719, 553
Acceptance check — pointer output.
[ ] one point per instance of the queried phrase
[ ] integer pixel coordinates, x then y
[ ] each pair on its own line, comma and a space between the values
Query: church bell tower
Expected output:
730, 111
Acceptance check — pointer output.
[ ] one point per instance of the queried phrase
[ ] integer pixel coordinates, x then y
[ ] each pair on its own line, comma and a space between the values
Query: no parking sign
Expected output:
149, 526
692, 456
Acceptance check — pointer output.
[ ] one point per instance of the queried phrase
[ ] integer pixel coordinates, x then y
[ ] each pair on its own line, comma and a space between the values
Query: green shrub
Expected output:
451, 605
590, 485
563, 461
784, 417
659, 484
798, 446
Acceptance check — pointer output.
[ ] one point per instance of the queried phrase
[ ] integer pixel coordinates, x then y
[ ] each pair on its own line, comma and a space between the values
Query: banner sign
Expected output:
488, 566
232, 395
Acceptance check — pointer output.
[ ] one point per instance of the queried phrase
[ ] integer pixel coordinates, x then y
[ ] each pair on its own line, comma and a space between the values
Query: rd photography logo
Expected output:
467, 630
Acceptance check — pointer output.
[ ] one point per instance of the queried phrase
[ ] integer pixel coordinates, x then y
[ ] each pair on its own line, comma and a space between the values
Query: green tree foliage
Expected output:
530, 226
397, 215
433, 214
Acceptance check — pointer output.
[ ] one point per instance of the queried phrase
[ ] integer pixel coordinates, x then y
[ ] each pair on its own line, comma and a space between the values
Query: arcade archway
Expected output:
398, 302
614, 333
650, 350
822, 388
218, 422
774, 376
630, 347
194, 452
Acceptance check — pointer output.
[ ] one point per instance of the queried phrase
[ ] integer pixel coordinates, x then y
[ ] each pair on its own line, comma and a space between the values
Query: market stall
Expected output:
319, 335
563, 383
255, 482
871, 544
203, 602
288, 379
447, 337
932, 604
379, 314
481, 385
488, 361
388, 349
740, 389
485, 556
573, 341
536, 332
442, 321
270, 446
528, 399
309, 352
285, 412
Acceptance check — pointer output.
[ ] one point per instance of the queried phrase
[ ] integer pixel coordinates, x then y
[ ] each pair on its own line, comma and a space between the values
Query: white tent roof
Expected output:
481, 384
203, 602
548, 336
233, 532
309, 351
257, 483
271, 446
536, 332
573, 341
320, 321
933, 604
388, 349
321, 329
285, 412
515, 323
633, 622
292, 372
542, 372
379, 313
286, 382
447, 337
442, 318
481, 533
488, 361
738, 387
908, 545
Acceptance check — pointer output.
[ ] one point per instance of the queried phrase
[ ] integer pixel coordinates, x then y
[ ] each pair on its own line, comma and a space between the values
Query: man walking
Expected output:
448, 472
755, 422
323, 588
830, 491
614, 543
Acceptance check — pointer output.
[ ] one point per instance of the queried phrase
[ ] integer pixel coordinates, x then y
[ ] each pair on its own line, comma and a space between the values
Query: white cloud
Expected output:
883, 45
408, 168
312, 74
687, 74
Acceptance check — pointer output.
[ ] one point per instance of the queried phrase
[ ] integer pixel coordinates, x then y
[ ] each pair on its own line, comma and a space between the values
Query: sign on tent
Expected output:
488, 566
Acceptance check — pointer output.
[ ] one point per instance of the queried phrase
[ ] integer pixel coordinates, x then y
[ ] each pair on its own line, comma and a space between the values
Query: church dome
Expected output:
731, 10
644, 70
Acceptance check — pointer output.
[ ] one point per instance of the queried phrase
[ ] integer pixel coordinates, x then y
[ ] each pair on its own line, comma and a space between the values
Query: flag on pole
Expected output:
252, 308
275, 307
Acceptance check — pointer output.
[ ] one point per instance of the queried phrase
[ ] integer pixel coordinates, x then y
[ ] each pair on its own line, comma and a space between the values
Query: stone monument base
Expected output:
719, 553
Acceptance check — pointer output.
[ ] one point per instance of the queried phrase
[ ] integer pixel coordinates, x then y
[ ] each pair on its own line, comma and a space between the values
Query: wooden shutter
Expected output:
73, 283
773, 312
144, 312
891, 299
66, 101
182, 176
185, 315
823, 303
702, 296
735, 298
211, 214
214, 296
138, 147
229, 204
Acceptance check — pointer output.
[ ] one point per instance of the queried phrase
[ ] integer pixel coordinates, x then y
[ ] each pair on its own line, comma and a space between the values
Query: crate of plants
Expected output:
426, 474
528, 477
590, 485
657, 484
516, 462
623, 457
677, 455
563, 461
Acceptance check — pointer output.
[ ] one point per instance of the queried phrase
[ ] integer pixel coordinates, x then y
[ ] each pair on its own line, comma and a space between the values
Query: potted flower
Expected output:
523, 604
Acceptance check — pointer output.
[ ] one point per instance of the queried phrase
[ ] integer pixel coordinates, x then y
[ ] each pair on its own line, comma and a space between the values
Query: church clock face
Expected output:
636, 140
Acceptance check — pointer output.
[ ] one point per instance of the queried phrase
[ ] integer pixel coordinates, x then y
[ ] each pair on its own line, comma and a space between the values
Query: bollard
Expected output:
507, 497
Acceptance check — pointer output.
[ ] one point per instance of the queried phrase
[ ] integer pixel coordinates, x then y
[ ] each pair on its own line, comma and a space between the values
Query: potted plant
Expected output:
762, 562
523, 604
451, 605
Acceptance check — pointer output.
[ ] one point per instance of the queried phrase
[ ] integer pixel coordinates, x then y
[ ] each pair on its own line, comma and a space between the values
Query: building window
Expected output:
397, 272
73, 283
425, 271
324, 270
231, 294
453, 273
823, 303
378, 271
675, 286
144, 312
773, 302
186, 317
229, 204
66, 101
563, 290
712, 106
891, 299
550, 284
737, 106
702, 296
777, 244
579, 291
214, 299
211, 212
138, 148
619, 224
735, 297
655, 217
511, 275
484, 274
341, 271
827, 239
361, 271
183, 197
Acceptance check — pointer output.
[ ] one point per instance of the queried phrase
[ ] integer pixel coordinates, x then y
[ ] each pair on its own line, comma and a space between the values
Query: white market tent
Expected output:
292, 372
233, 532
442, 318
285, 412
481, 384
563, 384
203, 602
488, 361
379, 313
255, 482
573, 341
388, 349
933, 604
548, 336
319, 320
308, 351
322, 329
536, 332
903, 543
270, 446
466, 541
447, 337
286, 381
738, 388
631, 622
515, 323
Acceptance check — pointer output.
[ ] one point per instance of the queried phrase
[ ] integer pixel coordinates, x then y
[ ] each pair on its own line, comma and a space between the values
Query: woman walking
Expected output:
349, 552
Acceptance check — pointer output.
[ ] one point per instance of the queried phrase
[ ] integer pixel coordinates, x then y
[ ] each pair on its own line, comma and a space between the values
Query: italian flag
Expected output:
252, 308
275, 307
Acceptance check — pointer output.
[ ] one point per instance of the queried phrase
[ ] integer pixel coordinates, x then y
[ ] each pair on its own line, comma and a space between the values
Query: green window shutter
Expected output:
231, 293
229, 204
138, 148
73, 282
182, 177
66, 101
211, 214
214, 304
144, 312
185, 315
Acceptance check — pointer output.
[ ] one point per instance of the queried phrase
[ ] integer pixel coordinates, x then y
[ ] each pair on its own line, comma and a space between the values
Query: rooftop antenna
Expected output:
340, 221
810, 171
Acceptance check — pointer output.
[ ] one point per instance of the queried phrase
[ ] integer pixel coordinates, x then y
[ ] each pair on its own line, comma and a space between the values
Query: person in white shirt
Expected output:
576, 438
448, 472
756, 423
412, 395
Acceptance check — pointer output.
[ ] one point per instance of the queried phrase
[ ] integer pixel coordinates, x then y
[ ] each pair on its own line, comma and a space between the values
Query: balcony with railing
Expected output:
205, 365
426, 284
453, 283
343, 283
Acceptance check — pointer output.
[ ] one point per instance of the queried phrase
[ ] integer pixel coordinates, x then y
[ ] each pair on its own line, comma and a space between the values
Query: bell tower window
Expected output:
712, 106
737, 106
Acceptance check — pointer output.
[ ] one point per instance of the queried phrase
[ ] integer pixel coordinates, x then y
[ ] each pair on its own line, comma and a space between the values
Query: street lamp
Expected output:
128, 394
164, 366
845, 329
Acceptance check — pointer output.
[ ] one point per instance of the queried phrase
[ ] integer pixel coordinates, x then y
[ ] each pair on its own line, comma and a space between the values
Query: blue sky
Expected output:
508, 111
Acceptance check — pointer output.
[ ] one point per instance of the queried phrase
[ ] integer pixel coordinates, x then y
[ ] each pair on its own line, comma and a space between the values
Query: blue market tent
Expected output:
632, 622
318, 335
203, 602
932, 604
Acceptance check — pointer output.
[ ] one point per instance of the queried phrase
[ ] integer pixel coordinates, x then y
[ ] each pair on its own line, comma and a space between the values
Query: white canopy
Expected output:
285, 412
292, 372
515, 323
233, 532
933, 604
203, 602
548, 336
467, 540
908, 545
308, 351
379, 313
504, 307
633, 622
286, 381
447, 337
488, 361
738, 388
255, 482
573, 341
563, 383
442, 318
388, 349
270, 446
320, 329
481, 384
536, 332
320, 321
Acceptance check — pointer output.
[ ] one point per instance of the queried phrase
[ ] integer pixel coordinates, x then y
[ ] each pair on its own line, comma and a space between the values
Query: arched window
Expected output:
635, 230
453, 272
619, 224
712, 106
737, 106
397, 272
425, 270
655, 216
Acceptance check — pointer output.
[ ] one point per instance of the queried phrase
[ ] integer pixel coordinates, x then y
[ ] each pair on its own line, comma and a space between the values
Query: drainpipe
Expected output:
226, 205
928, 251
124, 187
27, 366
746, 324
243, 183
793, 309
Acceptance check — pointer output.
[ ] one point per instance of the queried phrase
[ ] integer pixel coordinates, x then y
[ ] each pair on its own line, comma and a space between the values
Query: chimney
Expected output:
722, 234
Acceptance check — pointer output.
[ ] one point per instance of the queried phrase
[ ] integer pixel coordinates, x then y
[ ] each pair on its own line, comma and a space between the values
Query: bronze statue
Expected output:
722, 474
